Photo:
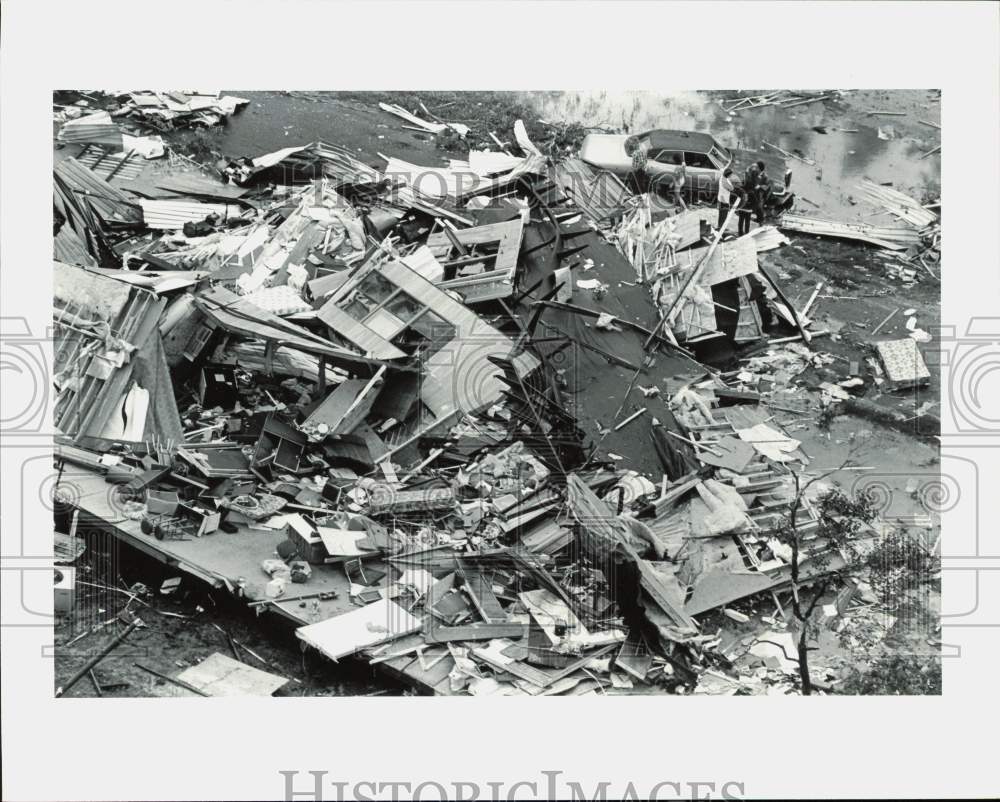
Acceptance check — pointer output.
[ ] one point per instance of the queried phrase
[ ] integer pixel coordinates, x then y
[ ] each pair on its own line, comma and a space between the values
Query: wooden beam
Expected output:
671, 313
786, 302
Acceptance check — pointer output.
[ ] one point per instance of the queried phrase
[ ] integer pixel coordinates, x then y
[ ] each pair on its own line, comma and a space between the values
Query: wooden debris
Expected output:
173, 680
629, 419
895, 238
897, 203
785, 153
888, 317
112, 644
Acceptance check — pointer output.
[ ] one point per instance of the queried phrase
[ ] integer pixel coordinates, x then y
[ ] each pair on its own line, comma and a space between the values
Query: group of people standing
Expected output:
752, 196
753, 193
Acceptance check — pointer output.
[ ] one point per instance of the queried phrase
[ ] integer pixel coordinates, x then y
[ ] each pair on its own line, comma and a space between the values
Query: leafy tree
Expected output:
843, 546
834, 550
897, 675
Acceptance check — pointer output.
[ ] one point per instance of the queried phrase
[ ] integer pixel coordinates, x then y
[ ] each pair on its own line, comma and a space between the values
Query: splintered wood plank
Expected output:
346, 407
443, 634
357, 333
485, 601
505, 236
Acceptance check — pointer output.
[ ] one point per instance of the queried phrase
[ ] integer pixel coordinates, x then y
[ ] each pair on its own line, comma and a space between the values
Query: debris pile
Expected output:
914, 242
386, 404
782, 99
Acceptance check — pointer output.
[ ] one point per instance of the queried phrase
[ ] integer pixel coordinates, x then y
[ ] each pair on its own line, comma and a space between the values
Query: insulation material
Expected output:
149, 147
129, 418
282, 300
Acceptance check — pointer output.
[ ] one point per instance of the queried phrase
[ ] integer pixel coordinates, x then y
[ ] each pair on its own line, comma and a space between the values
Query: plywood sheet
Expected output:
346, 634
731, 260
357, 333
219, 675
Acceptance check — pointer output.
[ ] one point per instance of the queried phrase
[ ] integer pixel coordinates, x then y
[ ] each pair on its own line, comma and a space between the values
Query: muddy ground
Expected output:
857, 295
180, 630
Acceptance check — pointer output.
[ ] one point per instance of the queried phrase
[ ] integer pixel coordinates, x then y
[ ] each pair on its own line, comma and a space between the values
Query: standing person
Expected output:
680, 177
750, 185
761, 192
640, 157
743, 211
725, 190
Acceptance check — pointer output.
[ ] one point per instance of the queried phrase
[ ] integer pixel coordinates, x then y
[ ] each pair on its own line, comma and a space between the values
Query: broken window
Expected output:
664, 156
404, 306
720, 157
435, 331
698, 160
359, 307
377, 287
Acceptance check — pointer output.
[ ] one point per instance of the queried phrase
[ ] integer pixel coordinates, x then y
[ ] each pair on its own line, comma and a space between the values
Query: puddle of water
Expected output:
842, 159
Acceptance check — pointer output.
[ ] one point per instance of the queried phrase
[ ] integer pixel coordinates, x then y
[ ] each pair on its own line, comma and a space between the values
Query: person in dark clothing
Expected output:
743, 211
750, 179
757, 184
763, 192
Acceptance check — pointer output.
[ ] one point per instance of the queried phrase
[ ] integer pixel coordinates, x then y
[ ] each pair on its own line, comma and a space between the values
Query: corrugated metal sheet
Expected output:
599, 194
111, 204
97, 127
107, 163
69, 248
195, 184
170, 215
238, 315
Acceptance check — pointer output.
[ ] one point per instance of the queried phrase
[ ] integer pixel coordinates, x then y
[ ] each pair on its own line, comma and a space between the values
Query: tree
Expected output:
834, 551
843, 546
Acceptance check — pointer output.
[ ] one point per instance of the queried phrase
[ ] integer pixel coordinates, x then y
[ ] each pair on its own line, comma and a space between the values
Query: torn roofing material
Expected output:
238, 315
111, 373
76, 184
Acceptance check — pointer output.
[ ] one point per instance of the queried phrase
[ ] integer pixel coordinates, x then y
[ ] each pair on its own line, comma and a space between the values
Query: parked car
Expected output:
704, 158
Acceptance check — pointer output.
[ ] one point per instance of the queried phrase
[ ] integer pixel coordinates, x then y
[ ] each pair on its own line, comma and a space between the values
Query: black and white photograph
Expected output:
517, 393
509, 383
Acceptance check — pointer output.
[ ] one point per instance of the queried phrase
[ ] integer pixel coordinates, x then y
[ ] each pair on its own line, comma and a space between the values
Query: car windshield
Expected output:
720, 155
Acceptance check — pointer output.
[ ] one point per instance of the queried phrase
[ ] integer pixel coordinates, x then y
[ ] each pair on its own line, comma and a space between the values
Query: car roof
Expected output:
694, 141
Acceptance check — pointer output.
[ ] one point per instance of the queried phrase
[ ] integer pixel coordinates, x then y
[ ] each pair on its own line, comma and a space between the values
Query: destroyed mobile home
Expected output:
385, 404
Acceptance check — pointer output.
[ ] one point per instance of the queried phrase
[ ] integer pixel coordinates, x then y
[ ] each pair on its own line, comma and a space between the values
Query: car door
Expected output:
661, 168
702, 176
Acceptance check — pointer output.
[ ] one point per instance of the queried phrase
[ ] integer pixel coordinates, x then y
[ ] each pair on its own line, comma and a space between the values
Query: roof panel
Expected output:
696, 141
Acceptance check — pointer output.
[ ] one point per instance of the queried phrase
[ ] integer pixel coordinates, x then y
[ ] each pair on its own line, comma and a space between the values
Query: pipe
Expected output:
98, 657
